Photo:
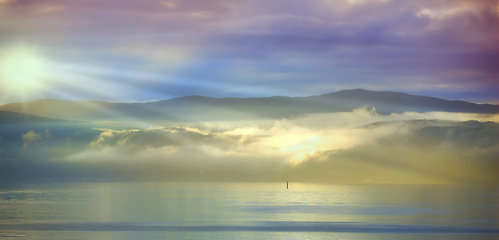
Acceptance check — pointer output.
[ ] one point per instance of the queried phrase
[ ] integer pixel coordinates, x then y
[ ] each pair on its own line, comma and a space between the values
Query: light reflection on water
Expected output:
243, 210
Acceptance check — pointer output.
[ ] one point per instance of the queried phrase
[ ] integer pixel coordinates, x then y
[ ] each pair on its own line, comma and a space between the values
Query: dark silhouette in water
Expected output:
287, 186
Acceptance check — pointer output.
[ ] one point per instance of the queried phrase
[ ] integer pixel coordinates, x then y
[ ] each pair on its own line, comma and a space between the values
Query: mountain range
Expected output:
201, 108
170, 140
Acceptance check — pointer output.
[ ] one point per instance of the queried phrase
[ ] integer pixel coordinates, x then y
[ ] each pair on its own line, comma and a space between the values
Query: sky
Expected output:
127, 51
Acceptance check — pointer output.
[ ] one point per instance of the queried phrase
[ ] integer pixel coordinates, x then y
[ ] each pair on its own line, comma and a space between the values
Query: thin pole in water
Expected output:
287, 185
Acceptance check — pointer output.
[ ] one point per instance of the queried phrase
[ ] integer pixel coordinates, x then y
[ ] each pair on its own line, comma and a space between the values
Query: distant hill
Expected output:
200, 108
23, 118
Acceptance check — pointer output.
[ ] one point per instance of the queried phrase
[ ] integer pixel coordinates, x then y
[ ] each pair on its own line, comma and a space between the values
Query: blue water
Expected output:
165, 210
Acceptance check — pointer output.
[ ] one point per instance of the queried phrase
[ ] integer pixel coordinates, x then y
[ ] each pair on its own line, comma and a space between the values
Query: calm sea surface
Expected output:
164, 210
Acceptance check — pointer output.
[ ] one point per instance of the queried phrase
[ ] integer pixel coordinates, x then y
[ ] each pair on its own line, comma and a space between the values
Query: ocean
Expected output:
246, 210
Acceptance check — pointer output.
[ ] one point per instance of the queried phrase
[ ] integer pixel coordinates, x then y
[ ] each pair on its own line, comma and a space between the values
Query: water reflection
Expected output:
269, 208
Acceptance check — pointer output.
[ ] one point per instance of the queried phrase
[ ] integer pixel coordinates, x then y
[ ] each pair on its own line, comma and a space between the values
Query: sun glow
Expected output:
22, 70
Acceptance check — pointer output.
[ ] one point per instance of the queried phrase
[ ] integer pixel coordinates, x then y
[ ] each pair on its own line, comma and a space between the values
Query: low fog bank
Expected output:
360, 146
438, 152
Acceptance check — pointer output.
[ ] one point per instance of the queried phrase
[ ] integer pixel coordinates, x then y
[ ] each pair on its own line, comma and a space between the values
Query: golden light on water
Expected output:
22, 70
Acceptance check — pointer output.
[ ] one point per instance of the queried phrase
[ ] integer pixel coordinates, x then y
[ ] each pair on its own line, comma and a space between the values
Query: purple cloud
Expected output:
277, 47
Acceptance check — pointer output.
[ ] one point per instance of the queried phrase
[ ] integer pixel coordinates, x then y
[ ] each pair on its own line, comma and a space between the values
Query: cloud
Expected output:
176, 152
30, 137
359, 146
368, 146
446, 152
292, 46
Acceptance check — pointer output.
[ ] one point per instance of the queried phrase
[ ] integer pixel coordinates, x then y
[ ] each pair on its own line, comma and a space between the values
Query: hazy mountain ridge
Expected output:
200, 108
7, 117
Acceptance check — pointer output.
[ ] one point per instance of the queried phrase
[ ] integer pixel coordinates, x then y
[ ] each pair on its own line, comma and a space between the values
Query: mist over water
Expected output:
361, 146
245, 210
